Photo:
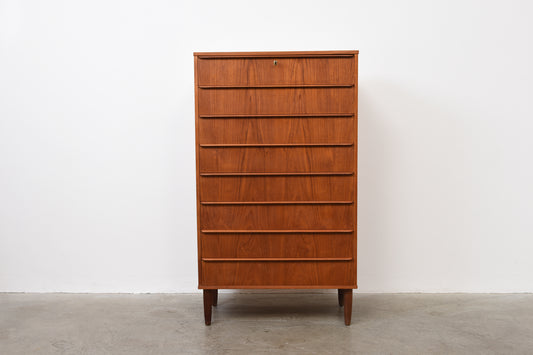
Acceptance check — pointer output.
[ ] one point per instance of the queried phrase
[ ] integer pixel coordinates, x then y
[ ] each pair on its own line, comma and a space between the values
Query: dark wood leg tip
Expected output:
347, 301
340, 296
208, 303
215, 298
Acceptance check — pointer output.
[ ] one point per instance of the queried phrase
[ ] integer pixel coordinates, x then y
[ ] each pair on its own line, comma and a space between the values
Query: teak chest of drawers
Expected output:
276, 172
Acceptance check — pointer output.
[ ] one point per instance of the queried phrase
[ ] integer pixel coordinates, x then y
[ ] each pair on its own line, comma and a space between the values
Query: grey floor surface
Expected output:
244, 323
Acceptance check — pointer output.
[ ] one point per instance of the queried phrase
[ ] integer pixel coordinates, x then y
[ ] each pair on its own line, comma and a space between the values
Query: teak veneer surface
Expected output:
298, 245
295, 130
276, 101
287, 71
276, 157
277, 188
277, 216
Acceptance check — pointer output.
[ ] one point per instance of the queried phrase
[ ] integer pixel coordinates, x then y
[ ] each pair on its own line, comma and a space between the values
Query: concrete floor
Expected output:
256, 323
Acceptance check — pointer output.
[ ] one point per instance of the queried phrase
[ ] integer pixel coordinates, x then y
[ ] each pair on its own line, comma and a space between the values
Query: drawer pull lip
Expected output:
277, 202
287, 115
273, 231
276, 86
275, 259
278, 174
275, 145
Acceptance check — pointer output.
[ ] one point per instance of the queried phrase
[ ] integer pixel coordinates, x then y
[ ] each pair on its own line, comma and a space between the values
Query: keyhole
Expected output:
275, 62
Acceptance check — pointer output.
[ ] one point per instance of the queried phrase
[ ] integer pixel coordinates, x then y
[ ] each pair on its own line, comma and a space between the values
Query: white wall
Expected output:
97, 138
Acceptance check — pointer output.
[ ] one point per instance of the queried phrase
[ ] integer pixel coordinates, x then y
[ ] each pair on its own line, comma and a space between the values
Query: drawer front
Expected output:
277, 188
296, 245
286, 71
275, 101
276, 130
278, 274
277, 159
276, 217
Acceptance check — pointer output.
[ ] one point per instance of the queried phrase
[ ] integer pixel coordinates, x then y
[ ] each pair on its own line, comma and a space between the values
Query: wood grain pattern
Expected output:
276, 101
246, 72
309, 130
235, 274
275, 159
276, 217
277, 188
297, 245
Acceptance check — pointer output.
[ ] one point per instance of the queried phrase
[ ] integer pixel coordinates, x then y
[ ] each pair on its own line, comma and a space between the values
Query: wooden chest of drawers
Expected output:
276, 172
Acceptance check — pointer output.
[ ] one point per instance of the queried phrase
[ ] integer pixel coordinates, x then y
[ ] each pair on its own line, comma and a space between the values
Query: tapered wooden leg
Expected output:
340, 295
215, 298
208, 302
347, 300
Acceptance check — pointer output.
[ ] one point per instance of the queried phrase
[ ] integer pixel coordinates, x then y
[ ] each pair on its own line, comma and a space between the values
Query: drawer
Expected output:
265, 274
277, 188
276, 130
275, 101
296, 245
286, 71
276, 217
277, 159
